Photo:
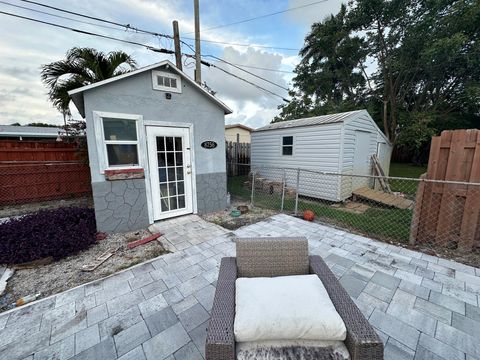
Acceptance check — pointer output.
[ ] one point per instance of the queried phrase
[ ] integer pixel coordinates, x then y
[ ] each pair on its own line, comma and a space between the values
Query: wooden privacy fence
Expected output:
448, 214
16, 150
33, 171
238, 158
25, 183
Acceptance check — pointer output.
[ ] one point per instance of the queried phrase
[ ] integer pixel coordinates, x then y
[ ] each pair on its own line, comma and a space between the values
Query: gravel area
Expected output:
224, 219
65, 273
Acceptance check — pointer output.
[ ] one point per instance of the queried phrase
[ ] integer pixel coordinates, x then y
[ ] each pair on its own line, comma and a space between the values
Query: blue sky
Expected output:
25, 46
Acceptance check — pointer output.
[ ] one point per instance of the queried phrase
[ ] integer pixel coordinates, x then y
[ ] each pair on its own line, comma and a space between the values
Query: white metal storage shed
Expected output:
338, 143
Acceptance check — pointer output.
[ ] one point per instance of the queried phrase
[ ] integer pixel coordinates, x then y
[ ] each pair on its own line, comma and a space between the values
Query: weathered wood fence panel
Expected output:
238, 158
16, 150
25, 183
449, 214
32, 171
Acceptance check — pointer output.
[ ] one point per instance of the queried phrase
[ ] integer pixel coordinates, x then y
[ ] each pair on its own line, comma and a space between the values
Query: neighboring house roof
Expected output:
29, 131
77, 94
320, 120
232, 126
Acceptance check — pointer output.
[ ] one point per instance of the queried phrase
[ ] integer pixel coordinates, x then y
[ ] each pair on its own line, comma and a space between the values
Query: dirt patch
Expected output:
224, 219
17, 210
66, 274
351, 206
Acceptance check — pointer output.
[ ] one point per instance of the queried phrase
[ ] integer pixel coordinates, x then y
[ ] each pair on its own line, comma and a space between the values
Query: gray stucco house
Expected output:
156, 145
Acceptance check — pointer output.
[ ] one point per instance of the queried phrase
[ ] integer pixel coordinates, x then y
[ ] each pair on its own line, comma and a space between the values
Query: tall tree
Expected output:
328, 77
425, 75
82, 66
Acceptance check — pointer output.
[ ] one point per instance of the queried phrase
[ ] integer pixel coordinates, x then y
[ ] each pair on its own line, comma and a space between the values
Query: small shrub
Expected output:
56, 233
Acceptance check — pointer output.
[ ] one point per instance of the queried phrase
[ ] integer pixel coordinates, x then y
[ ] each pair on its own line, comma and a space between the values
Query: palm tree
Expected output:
82, 66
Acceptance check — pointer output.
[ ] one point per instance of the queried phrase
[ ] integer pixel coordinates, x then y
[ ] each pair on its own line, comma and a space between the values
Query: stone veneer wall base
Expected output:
120, 205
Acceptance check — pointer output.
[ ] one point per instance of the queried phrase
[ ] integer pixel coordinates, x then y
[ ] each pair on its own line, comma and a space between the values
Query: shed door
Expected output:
170, 171
361, 160
384, 153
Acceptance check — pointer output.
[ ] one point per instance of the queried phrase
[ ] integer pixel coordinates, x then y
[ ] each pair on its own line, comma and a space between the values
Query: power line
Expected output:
151, 48
248, 72
60, 16
148, 47
247, 45
265, 69
263, 16
240, 78
261, 68
126, 26
130, 27
190, 46
249, 82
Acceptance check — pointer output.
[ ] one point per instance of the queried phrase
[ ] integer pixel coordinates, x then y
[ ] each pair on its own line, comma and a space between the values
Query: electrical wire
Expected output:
265, 69
130, 27
190, 46
246, 71
126, 26
249, 82
151, 48
239, 77
61, 17
262, 16
246, 45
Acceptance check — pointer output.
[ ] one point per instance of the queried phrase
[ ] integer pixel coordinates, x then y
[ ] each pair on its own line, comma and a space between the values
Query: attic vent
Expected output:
166, 81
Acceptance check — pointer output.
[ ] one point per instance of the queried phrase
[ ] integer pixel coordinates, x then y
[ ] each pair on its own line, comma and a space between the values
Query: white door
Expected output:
170, 171
361, 159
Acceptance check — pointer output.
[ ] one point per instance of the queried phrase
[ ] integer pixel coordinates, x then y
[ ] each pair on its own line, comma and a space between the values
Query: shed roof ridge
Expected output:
312, 120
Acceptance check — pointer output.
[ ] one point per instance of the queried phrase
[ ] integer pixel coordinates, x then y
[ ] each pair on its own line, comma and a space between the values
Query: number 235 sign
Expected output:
209, 144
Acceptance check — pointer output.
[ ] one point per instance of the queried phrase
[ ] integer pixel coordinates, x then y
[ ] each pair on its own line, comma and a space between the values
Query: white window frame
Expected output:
102, 143
283, 146
155, 85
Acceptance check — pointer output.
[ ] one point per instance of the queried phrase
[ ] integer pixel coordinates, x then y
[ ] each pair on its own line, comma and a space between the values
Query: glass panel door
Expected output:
170, 171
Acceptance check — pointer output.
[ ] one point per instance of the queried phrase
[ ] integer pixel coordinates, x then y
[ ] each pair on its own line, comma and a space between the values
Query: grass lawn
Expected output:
382, 223
407, 171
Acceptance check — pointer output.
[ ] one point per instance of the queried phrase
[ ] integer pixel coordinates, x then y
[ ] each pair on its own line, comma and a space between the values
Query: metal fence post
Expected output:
253, 188
283, 188
296, 192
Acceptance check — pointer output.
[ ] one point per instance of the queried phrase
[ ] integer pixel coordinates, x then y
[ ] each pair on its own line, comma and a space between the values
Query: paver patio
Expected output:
423, 307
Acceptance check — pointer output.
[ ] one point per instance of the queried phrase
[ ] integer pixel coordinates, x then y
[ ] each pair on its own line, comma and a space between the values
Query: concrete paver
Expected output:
423, 307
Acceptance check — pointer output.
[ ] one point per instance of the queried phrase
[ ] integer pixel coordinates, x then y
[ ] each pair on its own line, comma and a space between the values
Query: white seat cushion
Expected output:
285, 308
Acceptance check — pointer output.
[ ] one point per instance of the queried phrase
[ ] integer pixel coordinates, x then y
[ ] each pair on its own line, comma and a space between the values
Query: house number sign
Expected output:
209, 144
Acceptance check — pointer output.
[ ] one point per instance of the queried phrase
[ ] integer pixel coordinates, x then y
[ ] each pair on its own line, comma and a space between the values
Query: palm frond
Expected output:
82, 66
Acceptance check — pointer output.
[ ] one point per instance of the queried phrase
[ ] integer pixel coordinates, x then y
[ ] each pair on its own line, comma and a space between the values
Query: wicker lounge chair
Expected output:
280, 257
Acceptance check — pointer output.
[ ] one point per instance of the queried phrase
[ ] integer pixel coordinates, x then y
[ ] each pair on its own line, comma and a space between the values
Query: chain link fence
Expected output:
437, 217
31, 182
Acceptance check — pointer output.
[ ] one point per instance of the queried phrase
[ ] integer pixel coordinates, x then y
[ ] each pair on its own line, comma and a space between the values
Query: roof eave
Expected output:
79, 91
79, 103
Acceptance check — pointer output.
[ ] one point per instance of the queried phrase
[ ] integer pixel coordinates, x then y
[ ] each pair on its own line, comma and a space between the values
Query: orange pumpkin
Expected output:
308, 215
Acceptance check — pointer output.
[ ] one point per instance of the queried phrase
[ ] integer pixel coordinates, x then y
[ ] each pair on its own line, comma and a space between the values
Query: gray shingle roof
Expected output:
314, 120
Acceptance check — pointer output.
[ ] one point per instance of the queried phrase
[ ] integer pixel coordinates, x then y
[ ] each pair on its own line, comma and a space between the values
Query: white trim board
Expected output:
148, 184
100, 142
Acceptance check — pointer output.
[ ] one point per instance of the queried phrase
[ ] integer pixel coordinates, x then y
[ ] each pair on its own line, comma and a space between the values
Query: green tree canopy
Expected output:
414, 64
82, 66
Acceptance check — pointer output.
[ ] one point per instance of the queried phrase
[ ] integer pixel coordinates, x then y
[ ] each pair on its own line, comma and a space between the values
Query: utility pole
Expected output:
198, 71
178, 49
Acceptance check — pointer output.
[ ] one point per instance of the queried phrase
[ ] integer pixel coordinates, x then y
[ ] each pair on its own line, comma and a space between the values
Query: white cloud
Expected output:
315, 13
25, 46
